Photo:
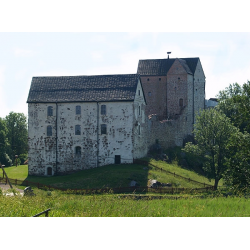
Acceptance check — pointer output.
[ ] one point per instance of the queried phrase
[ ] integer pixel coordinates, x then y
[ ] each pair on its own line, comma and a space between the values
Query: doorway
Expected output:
49, 171
117, 159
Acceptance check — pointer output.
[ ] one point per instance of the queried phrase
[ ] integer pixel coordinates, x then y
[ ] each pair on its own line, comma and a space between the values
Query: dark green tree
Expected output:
17, 134
212, 132
4, 146
237, 175
234, 102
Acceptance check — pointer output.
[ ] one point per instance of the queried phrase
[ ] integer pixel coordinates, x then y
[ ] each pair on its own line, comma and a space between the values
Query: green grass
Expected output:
112, 176
66, 205
181, 171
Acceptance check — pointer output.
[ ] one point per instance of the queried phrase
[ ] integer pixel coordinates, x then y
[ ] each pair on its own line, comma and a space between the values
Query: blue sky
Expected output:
224, 57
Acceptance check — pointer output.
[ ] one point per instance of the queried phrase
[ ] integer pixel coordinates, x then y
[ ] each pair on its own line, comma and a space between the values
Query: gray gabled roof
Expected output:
162, 66
83, 88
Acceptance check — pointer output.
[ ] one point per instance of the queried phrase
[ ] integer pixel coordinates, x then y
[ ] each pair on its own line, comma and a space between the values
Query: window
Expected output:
103, 129
181, 102
148, 79
49, 130
159, 79
139, 129
139, 110
78, 110
77, 130
78, 151
103, 109
139, 92
149, 94
50, 111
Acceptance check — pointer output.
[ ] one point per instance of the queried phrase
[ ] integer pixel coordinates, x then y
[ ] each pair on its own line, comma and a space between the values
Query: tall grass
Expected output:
68, 205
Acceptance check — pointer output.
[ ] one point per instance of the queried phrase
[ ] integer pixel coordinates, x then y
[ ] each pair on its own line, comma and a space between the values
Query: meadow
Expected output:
66, 204
113, 205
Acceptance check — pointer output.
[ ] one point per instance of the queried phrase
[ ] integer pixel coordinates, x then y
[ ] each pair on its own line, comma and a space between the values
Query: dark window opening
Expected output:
159, 79
149, 94
78, 151
103, 129
77, 130
148, 79
78, 110
139, 92
49, 171
50, 111
139, 130
181, 102
179, 78
49, 130
139, 110
103, 109
117, 159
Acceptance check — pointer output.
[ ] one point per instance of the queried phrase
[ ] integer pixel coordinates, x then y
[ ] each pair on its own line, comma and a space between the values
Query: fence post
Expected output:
16, 181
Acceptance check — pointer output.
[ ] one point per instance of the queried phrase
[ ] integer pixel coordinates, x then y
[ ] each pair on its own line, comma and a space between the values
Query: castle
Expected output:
81, 122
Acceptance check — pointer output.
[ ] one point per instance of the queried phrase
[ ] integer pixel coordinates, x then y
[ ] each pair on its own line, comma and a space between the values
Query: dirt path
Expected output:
5, 187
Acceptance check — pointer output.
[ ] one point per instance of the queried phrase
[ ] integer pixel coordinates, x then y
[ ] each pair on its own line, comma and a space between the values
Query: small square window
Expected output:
159, 79
148, 79
149, 94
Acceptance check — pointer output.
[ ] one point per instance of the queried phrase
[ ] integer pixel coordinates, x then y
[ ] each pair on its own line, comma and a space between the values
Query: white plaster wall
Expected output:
140, 140
118, 140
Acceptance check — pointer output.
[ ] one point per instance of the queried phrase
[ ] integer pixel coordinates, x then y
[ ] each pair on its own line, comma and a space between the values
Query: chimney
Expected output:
168, 54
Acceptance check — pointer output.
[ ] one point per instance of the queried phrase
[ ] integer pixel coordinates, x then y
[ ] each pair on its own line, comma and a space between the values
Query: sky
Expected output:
224, 57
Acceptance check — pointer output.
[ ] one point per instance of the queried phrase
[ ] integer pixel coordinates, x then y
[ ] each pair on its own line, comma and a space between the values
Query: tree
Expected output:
4, 158
234, 102
237, 175
17, 134
212, 132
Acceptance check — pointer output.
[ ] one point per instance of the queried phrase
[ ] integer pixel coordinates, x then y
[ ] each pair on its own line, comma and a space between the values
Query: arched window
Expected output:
50, 111
181, 102
78, 151
78, 110
103, 109
49, 130
49, 171
103, 129
77, 129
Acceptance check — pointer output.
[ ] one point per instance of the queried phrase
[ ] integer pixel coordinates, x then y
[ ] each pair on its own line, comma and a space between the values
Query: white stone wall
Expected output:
140, 132
97, 149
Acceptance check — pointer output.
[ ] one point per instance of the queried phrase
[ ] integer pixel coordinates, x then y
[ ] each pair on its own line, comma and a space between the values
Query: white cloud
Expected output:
23, 52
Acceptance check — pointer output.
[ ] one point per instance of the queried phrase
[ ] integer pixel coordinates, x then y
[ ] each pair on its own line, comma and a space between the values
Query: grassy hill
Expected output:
113, 176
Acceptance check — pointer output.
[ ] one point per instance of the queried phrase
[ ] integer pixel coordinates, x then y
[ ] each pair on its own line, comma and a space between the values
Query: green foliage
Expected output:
234, 102
212, 131
17, 134
237, 176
